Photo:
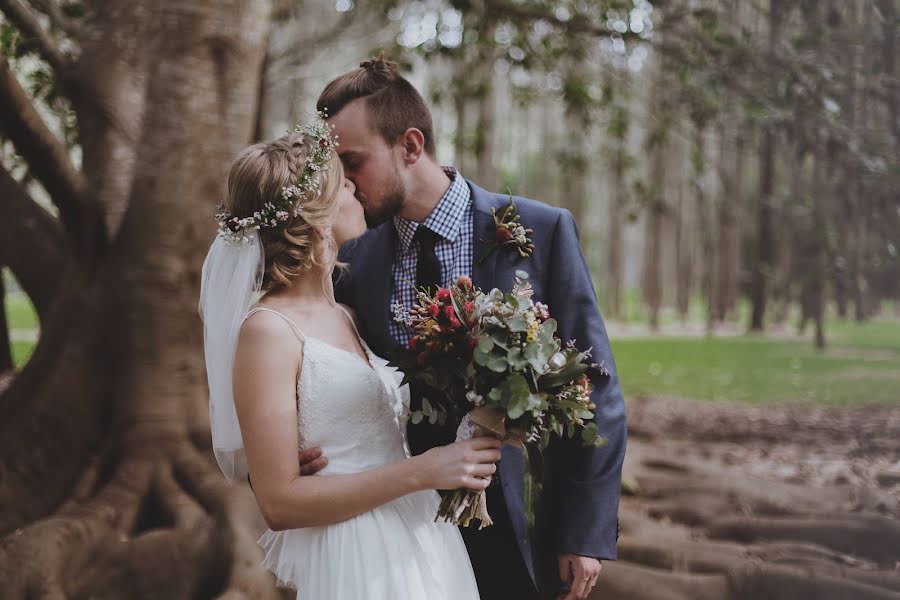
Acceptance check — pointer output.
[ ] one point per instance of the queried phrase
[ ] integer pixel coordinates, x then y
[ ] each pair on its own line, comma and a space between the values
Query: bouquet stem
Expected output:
459, 507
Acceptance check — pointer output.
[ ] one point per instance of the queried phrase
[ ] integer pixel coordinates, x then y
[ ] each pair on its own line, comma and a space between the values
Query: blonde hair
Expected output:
304, 242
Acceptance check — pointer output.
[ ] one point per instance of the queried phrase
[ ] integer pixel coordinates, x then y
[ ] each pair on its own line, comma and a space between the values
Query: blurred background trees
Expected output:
734, 159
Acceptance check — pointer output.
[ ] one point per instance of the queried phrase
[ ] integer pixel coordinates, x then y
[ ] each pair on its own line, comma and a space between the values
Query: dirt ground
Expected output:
785, 501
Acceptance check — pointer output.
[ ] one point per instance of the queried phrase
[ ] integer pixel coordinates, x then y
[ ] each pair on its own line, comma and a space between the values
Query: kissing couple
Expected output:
322, 232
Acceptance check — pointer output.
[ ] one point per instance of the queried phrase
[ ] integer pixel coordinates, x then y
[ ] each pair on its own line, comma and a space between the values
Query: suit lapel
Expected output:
484, 230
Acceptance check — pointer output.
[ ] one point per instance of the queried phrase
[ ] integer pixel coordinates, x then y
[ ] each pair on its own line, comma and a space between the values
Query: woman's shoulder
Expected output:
270, 326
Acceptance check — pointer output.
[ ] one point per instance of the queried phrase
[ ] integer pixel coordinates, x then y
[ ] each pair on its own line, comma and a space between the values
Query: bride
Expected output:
293, 372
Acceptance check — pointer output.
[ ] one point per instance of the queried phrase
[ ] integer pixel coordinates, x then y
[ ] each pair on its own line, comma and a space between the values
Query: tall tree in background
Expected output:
765, 239
105, 431
618, 98
654, 198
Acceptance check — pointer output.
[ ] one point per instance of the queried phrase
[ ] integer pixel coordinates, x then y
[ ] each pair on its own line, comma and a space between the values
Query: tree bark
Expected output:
49, 160
655, 212
683, 248
485, 133
704, 223
32, 245
765, 248
618, 191
99, 430
728, 257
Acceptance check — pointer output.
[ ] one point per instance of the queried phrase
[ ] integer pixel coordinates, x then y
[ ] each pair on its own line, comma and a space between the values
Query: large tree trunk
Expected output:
684, 256
618, 191
889, 24
728, 256
764, 259
460, 102
106, 430
815, 242
704, 222
653, 221
786, 271
485, 133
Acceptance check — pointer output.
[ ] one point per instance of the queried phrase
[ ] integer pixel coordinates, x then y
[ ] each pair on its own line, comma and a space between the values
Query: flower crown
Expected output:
276, 212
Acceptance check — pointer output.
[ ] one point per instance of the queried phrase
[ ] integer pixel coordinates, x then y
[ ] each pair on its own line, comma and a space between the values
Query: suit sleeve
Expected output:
587, 480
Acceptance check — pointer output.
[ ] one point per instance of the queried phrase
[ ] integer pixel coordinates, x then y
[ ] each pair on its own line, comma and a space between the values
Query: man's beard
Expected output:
388, 208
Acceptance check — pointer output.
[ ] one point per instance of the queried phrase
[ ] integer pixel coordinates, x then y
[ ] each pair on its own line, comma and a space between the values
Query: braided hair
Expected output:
305, 241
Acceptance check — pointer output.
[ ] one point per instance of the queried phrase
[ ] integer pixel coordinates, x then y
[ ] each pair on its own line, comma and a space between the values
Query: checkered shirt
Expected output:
451, 219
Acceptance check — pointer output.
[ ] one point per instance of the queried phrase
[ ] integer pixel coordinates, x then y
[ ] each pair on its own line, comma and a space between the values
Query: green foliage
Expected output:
9, 39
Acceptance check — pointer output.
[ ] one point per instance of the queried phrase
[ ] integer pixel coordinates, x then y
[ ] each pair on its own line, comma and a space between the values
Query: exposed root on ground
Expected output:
780, 502
167, 511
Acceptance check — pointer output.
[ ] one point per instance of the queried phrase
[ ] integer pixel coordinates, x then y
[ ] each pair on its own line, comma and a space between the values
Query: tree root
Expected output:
707, 520
873, 536
172, 514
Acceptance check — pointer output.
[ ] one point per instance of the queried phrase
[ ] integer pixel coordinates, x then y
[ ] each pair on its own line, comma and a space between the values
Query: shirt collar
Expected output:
445, 219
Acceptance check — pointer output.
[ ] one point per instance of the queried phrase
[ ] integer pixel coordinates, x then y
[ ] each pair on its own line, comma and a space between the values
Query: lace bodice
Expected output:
354, 410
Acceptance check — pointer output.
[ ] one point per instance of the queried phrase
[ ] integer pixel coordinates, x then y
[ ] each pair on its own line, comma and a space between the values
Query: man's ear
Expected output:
412, 143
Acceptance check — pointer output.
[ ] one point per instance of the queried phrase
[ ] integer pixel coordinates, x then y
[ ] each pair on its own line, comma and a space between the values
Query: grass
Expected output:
20, 313
21, 352
21, 318
860, 365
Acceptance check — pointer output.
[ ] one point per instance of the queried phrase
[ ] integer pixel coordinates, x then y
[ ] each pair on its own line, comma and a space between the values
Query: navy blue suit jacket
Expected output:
577, 513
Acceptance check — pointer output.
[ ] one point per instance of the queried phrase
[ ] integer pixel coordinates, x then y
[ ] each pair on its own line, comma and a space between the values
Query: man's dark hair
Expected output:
393, 103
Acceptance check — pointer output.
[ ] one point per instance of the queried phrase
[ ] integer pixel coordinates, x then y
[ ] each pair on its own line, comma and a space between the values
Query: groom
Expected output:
429, 225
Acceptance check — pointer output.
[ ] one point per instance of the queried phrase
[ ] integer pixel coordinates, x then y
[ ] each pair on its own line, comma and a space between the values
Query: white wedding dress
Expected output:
356, 413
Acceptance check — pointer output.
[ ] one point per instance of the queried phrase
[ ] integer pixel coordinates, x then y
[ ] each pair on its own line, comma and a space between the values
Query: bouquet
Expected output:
497, 368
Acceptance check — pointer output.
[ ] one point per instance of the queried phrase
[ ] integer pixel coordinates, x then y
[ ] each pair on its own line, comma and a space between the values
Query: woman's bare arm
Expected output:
267, 364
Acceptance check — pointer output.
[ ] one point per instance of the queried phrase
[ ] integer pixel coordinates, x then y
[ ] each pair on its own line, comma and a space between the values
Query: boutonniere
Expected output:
508, 231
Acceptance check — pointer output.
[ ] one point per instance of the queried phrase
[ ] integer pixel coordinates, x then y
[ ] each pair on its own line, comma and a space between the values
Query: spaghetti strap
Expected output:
362, 343
282, 315
352, 321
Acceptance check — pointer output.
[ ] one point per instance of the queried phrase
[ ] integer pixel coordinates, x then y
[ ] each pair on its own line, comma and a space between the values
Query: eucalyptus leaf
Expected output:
590, 433
548, 328
481, 358
498, 364
518, 324
485, 344
515, 410
516, 360
499, 338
